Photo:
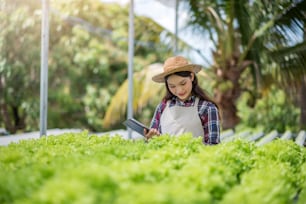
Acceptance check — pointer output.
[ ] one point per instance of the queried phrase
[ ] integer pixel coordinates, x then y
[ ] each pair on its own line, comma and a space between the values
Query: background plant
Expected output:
274, 111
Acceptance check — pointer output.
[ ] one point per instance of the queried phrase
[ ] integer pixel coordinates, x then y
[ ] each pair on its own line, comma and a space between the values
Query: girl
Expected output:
185, 107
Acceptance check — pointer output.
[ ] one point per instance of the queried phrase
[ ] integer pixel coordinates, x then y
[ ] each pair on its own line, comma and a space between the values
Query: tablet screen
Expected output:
135, 125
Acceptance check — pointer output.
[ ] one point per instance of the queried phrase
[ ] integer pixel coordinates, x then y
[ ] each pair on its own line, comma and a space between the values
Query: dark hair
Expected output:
196, 89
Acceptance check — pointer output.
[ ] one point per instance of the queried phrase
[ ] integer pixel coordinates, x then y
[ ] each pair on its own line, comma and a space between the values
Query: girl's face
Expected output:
180, 86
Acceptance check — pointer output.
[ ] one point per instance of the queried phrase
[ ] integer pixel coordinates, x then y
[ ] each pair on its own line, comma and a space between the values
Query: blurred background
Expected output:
253, 54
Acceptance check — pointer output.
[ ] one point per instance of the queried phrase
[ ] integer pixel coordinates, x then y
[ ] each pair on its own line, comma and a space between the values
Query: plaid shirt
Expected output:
208, 114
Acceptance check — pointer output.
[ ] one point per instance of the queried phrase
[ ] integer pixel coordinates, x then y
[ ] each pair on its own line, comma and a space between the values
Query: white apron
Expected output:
177, 120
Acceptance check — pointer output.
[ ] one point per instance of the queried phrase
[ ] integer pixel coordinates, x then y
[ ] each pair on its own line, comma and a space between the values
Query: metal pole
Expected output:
130, 65
176, 27
44, 68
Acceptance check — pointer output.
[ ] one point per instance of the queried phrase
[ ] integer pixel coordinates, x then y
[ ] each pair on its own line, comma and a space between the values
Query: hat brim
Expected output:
160, 78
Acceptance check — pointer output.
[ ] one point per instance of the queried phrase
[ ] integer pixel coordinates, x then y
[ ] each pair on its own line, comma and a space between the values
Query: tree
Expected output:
240, 32
87, 60
19, 78
289, 52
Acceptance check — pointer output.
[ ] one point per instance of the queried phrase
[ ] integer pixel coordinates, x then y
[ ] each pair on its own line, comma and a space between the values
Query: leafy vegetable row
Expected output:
82, 168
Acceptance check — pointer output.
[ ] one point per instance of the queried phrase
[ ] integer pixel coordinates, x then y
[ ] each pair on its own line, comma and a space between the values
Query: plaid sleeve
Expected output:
209, 116
155, 123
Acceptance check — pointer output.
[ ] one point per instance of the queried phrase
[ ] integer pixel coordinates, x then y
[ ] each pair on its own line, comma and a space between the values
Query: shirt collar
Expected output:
190, 100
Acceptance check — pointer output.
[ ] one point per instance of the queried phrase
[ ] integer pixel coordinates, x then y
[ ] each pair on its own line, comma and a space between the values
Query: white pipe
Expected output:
176, 27
44, 68
130, 65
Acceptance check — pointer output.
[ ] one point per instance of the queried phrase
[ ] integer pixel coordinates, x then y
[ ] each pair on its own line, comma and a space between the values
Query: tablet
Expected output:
135, 125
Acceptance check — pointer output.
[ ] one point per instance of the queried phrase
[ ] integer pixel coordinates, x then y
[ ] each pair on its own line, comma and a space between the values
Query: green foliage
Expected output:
19, 76
253, 36
87, 60
82, 168
95, 100
274, 111
146, 95
284, 160
302, 195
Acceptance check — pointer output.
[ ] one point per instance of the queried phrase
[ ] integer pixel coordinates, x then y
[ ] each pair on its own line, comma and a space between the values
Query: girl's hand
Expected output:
152, 132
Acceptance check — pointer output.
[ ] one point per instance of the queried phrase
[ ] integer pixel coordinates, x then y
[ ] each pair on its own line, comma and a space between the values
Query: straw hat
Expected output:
176, 64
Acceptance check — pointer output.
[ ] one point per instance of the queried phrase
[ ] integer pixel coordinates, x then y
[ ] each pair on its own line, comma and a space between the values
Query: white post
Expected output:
44, 68
130, 65
176, 27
